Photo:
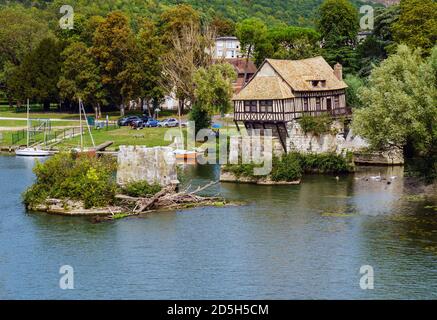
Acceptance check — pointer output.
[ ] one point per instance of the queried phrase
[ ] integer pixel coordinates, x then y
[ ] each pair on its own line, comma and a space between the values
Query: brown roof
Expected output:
264, 88
240, 64
299, 73
290, 75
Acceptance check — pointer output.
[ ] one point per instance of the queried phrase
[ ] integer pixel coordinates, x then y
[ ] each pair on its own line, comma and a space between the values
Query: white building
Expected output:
227, 48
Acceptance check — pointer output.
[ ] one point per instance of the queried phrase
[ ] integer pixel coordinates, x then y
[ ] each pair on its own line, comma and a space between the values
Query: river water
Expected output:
284, 242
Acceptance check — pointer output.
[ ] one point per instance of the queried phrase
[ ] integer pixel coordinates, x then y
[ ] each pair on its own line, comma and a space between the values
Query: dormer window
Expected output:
318, 83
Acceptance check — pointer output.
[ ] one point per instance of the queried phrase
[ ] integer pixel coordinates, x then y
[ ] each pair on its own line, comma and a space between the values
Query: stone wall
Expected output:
250, 147
335, 141
155, 165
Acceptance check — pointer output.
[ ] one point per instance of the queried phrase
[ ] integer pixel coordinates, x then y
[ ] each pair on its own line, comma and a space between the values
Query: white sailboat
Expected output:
31, 151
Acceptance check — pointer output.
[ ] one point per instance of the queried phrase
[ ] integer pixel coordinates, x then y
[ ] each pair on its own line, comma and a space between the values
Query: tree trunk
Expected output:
122, 109
181, 106
247, 64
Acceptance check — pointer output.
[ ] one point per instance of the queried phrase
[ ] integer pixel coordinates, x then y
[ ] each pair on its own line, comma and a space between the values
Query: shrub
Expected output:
324, 163
291, 166
241, 170
200, 117
141, 189
316, 125
74, 176
286, 168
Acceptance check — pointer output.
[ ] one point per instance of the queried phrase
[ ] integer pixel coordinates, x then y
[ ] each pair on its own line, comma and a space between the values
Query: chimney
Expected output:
338, 71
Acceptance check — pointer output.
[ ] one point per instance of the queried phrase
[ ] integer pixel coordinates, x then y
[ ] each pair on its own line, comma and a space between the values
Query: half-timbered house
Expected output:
284, 90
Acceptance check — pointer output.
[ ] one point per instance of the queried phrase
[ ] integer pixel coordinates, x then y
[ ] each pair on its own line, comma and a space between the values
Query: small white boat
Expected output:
32, 152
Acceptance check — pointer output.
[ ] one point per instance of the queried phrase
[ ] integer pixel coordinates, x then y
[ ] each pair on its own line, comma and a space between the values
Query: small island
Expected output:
78, 184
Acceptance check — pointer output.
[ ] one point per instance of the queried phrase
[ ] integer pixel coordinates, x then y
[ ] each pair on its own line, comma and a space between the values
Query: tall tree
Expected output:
40, 71
400, 103
80, 77
190, 51
21, 31
117, 54
338, 25
152, 49
417, 24
175, 19
252, 34
214, 87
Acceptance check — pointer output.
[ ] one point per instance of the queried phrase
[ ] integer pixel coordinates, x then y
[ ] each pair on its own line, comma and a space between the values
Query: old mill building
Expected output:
284, 90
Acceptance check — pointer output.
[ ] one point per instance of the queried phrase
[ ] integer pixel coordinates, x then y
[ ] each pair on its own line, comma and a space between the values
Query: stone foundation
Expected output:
333, 142
390, 157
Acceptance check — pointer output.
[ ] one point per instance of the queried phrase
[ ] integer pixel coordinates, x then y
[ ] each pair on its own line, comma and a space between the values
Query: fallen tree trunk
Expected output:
168, 198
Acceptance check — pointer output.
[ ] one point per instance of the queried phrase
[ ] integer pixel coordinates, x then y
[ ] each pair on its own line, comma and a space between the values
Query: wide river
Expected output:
285, 242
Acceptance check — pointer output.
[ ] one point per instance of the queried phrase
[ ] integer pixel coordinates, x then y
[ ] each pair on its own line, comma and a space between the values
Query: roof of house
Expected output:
265, 88
297, 74
240, 64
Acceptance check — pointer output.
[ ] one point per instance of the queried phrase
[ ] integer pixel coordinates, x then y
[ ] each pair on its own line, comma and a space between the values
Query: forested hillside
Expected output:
272, 12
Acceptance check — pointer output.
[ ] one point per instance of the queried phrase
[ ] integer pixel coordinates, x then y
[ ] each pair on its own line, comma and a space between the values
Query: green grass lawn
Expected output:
150, 137
23, 123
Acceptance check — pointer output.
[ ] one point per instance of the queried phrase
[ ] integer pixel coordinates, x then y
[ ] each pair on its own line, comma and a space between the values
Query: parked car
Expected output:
151, 123
125, 121
139, 123
171, 122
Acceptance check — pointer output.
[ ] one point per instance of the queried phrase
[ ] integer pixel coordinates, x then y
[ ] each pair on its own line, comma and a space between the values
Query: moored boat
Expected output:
32, 152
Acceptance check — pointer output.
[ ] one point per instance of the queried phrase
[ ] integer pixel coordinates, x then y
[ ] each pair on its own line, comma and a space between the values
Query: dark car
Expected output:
151, 123
125, 121
139, 123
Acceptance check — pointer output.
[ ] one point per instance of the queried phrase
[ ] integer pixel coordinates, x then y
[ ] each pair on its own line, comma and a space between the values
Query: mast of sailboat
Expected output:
82, 111
81, 129
28, 124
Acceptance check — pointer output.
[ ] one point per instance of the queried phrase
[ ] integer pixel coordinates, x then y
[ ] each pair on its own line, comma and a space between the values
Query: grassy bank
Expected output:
150, 137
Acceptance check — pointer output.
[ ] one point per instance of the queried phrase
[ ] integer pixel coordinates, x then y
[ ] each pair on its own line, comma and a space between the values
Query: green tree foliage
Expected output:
117, 54
252, 34
40, 72
400, 103
294, 43
200, 116
222, 26
80, 76
151, 50
175, 19
214, 87
375, 47
417, 24
355, 84
338, 25
21, 32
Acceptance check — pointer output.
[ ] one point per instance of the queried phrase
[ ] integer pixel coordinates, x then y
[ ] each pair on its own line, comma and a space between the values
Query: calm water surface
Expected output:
288, 242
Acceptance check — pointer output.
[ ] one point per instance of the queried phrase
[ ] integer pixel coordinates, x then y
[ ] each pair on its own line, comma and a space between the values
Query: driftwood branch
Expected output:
168, 198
